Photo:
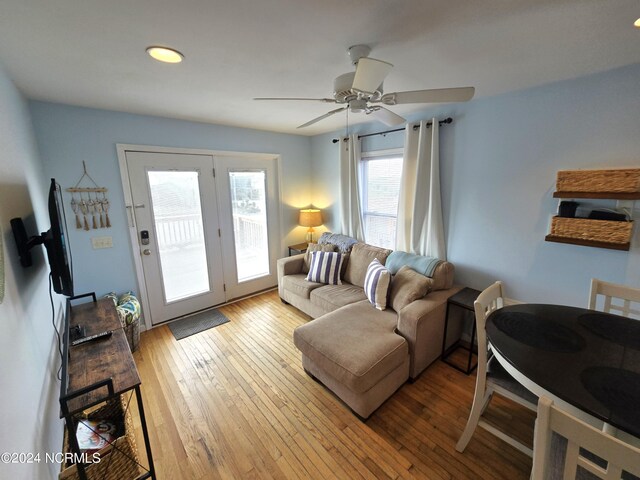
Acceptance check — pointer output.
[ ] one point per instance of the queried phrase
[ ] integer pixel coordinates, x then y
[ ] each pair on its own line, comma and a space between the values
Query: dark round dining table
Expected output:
581, 358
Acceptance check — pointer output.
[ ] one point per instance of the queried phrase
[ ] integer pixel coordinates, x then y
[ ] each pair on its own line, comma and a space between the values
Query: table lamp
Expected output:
310, 217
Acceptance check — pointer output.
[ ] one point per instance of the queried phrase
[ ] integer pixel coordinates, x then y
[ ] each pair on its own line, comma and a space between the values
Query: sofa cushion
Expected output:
331, 297
356, 345
299, 285
408, 286
314, 247
376, 284
325, 268
361, 256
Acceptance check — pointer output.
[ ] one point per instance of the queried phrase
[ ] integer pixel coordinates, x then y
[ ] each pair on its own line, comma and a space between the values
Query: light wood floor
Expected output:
234, 402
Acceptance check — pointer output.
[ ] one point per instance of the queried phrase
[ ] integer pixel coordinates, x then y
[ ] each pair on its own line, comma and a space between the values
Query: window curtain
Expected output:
420, 229
350, 210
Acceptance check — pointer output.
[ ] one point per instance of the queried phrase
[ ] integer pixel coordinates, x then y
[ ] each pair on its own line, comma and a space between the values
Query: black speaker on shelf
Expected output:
607, 215
567, 209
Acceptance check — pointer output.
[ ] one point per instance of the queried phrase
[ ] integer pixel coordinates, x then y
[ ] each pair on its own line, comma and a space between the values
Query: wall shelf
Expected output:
612, 184
600, 195
588, 243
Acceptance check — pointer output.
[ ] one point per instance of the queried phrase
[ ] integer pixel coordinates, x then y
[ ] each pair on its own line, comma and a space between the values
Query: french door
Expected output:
176, 218
206, 228
249, 210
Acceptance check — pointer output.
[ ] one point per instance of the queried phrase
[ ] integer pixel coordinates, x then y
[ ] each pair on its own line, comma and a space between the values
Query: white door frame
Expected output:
122, 148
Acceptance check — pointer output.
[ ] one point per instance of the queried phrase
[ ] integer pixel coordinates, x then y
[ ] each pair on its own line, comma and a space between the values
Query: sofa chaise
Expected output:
361, 353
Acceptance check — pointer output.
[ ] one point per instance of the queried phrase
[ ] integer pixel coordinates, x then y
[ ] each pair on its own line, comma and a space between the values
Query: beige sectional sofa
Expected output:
360, 353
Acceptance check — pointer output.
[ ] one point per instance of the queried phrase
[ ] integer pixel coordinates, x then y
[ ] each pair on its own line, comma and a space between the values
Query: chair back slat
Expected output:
618, 299
618, 455
571, 461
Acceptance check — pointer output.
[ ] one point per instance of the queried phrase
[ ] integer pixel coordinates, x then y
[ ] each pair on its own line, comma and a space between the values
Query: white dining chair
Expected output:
491, 377
618, 299
566, 448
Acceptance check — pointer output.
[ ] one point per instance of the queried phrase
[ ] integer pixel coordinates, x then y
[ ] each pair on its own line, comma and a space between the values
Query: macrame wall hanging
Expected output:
89, 204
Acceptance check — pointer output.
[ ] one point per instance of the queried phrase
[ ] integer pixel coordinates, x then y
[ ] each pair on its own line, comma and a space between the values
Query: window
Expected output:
380, 180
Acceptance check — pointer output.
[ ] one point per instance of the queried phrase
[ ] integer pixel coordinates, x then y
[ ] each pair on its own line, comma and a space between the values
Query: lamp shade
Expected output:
310, 217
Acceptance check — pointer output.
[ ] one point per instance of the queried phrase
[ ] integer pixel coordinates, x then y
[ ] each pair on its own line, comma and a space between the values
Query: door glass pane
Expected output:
178, 225
249, 209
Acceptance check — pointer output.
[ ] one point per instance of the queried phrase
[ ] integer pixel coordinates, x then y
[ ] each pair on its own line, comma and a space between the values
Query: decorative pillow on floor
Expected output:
325, 268
113, 296
376, 284
127, 306
407, 286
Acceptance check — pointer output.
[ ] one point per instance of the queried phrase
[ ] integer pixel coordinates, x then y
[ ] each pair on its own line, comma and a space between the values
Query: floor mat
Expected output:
197, 323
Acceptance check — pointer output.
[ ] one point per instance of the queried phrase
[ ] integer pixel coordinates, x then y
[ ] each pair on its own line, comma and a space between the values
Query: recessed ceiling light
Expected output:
637, 23
164, 54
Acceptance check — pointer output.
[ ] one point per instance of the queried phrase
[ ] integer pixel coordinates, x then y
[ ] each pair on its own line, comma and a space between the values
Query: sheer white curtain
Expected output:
350, 210
420, 229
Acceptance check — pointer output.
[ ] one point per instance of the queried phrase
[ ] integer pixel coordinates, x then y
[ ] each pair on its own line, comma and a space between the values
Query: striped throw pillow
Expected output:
325, 268
376, 284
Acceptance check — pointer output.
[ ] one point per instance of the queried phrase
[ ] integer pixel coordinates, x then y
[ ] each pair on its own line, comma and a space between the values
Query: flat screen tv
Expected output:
54, 240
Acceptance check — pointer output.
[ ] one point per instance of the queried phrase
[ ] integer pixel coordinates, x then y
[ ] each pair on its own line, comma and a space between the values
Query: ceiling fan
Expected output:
361, 91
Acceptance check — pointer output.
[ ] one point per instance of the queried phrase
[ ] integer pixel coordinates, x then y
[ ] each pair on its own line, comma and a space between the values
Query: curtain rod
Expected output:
446, 121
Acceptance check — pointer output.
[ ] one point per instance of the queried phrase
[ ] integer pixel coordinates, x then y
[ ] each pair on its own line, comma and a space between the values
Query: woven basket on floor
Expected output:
118, 460
593, 230
623, 180
132, 332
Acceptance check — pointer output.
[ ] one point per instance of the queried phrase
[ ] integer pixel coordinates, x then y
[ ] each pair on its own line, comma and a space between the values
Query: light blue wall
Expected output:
498, 167
29, 358
68, 135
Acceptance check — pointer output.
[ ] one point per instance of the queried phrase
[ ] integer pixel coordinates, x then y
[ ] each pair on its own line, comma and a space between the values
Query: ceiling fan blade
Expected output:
370, 73
324, 100
322, 117
436, 95
387, 116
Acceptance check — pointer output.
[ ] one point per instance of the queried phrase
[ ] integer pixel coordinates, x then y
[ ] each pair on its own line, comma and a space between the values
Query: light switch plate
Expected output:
101, 242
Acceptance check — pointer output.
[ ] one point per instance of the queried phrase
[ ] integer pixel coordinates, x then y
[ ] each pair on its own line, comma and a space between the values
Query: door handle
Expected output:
146, 251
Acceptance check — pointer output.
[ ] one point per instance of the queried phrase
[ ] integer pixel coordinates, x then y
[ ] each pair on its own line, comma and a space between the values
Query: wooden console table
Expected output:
97, 372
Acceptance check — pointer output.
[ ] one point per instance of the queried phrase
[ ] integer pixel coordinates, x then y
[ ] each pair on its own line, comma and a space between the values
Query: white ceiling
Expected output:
92, 52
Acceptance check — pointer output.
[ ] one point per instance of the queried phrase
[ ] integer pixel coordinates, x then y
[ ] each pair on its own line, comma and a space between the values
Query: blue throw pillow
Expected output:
376, 284
325, 268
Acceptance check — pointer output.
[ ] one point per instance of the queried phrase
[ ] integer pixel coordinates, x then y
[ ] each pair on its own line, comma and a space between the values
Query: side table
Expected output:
463, 299
298, 248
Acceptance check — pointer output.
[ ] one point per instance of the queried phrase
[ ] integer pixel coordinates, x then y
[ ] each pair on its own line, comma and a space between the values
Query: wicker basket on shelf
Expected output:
621, 180
118, 460
592, 230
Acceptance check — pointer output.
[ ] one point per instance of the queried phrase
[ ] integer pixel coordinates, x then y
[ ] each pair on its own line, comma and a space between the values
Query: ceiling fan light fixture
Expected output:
637, 23
358, 105
165, 54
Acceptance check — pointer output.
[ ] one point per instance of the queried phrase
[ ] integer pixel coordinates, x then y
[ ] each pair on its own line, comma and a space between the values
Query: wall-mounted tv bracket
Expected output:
24, 243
